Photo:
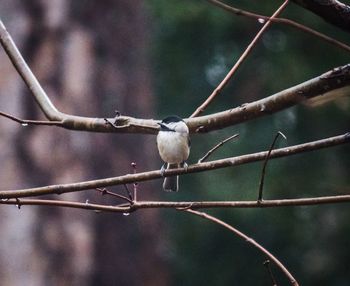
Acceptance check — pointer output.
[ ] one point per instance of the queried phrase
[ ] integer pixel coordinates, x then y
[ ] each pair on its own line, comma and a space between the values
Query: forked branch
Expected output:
240, 12
333, 82
235, 67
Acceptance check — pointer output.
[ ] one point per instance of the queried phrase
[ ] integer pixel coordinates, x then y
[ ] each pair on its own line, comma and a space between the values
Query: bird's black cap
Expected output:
172, 118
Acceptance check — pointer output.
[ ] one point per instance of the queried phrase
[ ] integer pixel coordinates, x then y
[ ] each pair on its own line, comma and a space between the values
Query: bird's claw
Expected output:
162, 170
184, 165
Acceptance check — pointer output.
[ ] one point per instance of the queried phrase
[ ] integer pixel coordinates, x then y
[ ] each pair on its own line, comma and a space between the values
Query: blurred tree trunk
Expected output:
90, 56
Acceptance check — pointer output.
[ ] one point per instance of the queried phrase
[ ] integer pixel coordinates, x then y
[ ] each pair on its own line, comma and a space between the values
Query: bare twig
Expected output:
145, 176
123, 208
68, 204
25, 122
261, 185
248, 240
230, 74
268, 267
240, 12
135, 185
104, 191
216, 147
128, 192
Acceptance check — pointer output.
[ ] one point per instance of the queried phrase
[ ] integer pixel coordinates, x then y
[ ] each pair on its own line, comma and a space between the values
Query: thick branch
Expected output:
335, 81
24, 71
126, 124
146, 176
332, 11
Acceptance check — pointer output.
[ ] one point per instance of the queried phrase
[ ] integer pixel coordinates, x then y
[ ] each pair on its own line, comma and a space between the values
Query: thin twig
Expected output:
216, 147
135, 185
240, 12
18, 203
26, 122
128, 192
248, 240
104, 191
261, 185
268, 267
230, 74
183, 205
194, 168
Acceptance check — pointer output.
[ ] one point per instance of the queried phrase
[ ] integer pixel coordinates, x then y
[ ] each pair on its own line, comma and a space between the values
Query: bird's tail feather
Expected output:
171, 184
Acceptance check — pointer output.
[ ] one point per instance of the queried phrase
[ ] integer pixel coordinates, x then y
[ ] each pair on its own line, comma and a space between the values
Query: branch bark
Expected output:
138, 205
125, 123
332, 11
240, 12
151, 175
332, 82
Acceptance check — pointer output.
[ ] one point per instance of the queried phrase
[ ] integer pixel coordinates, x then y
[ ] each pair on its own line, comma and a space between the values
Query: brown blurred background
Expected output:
90, 57
145, 59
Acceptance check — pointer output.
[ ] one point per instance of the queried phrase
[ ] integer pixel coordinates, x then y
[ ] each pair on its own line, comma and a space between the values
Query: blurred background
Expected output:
149, 59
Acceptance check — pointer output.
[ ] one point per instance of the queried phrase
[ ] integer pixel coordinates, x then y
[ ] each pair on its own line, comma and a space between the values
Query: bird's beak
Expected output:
165, 127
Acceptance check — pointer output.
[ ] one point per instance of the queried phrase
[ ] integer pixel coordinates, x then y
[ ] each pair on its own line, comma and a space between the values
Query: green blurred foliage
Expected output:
194, 45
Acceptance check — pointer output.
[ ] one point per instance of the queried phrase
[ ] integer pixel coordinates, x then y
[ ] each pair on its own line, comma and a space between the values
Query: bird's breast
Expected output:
173, 146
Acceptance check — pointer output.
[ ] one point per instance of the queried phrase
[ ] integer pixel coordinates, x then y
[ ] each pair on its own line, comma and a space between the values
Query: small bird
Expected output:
173, 143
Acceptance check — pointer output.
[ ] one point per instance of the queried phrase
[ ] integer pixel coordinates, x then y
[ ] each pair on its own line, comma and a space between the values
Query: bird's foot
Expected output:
184, 165
162, 169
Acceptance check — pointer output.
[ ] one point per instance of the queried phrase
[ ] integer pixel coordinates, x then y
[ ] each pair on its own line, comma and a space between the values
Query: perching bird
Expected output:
173, 143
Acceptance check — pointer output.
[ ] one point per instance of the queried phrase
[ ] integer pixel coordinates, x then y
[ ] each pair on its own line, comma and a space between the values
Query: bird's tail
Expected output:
171, 184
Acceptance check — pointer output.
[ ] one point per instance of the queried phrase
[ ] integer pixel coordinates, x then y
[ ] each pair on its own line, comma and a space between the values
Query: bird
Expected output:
173, 144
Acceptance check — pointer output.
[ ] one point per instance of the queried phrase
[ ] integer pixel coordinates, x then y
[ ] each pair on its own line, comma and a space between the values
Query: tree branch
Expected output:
128, 207
151, 175
240, 12
235, 67
248, 240
263, 171
25, 122
126, 124
332, 82
24, 71
212, 150
332, 11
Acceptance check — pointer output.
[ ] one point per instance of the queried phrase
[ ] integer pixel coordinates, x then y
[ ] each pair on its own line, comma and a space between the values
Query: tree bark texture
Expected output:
332, 11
